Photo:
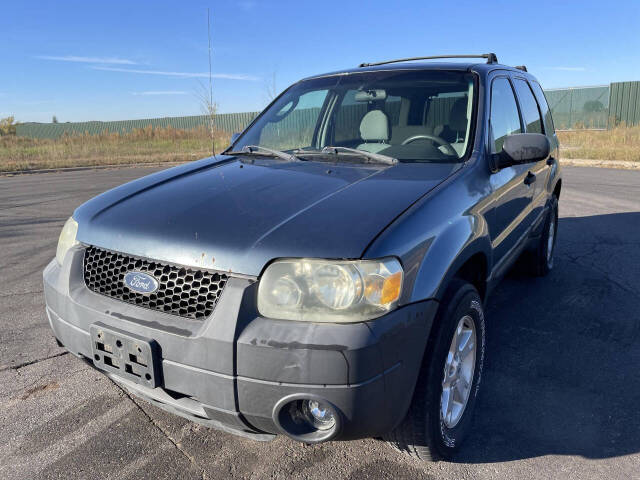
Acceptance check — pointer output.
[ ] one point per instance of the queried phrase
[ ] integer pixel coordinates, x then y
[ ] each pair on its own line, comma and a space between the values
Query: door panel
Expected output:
533, 123
512, 208
511, 215
549, 130
538, 193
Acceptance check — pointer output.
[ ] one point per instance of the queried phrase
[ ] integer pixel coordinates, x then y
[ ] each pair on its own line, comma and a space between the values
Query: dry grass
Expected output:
171, 145
619, 143
144, 145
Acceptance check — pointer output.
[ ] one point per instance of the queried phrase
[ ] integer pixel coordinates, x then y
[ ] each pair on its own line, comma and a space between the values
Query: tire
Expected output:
426, 433
542, 257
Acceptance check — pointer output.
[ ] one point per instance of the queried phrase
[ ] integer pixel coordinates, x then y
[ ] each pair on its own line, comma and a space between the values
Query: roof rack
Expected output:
491, 58
522, 67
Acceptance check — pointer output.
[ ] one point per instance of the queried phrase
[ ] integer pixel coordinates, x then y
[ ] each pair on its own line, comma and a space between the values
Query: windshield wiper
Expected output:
258, 150
374, 157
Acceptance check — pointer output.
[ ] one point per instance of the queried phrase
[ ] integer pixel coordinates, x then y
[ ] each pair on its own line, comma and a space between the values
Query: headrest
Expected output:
375, 126
458, 115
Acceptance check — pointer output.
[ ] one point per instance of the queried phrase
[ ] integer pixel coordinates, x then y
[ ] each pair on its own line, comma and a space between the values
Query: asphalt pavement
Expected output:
560, 395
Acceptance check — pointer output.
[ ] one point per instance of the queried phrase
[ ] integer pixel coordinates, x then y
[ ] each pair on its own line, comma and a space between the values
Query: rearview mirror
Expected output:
522, 148
370, 95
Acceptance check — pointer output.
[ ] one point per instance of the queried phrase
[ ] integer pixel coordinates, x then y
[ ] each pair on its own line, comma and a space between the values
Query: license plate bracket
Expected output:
125, 354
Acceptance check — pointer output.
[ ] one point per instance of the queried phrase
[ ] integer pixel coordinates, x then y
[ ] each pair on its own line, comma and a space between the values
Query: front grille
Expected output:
181, 291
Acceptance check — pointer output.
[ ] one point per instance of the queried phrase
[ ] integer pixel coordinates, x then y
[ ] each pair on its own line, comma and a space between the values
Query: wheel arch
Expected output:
474, 270
464, 252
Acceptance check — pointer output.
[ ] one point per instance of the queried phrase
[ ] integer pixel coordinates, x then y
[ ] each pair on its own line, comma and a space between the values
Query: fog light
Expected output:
307, 418
319, 414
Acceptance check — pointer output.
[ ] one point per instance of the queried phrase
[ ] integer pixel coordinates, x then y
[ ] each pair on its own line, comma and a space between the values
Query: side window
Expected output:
529, 107
504, 112
296, 124
544, 108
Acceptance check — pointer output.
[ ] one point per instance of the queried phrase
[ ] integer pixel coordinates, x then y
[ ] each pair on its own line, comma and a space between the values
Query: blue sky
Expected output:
86, 60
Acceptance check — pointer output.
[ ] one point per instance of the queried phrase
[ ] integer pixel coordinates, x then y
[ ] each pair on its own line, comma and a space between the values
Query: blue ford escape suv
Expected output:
323, 278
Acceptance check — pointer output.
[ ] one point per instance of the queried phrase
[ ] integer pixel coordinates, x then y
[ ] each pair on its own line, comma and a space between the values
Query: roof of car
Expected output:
479, 67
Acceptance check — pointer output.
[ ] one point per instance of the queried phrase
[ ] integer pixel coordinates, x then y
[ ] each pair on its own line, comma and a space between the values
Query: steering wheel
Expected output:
447, 146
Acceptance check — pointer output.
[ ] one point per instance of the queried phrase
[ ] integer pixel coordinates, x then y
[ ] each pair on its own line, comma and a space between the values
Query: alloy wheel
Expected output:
459, 368
551, 237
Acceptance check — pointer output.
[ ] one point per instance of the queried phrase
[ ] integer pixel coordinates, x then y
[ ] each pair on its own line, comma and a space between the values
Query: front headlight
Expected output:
67, 239
343, 291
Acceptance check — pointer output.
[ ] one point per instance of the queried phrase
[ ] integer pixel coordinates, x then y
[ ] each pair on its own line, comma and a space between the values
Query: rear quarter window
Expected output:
544, 108
528, 106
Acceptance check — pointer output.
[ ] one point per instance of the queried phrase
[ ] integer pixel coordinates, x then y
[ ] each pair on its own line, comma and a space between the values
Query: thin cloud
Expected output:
225, 76
37, 102
568, 69
160, 92
76, 59
247, 5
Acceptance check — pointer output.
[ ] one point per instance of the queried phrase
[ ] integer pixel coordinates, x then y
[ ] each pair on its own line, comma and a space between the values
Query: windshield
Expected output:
413, 116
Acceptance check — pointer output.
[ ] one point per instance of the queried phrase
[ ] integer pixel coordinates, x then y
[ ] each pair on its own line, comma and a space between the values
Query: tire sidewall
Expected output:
545, 265
465, 302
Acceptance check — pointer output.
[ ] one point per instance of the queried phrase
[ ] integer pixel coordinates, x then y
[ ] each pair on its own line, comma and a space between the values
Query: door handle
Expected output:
551, 161
529, 179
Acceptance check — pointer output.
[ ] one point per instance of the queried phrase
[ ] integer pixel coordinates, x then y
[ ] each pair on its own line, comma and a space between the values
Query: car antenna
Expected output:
210, 109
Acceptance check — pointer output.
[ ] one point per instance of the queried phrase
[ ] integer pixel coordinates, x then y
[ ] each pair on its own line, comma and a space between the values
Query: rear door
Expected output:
549, 128
533, 123
511, 185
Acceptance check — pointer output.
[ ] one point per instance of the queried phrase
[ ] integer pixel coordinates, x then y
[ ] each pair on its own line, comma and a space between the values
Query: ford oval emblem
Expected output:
140, 282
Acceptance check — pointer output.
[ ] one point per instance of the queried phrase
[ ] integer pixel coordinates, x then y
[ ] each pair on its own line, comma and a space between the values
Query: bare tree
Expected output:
209, 108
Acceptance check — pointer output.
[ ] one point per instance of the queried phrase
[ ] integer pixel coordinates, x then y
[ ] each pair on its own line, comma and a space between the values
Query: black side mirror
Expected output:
522, 148
234, 137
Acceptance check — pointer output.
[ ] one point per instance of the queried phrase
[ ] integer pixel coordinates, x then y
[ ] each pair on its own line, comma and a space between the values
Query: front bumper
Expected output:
230, 370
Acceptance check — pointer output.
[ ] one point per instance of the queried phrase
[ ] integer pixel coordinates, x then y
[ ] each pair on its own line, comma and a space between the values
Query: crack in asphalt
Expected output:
576, 260
5, 295
163, 431
593, 250
48, 200
31, 362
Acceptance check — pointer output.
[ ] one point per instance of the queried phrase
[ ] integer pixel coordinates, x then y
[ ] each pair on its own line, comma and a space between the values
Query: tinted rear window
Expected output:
544, 107
528, 106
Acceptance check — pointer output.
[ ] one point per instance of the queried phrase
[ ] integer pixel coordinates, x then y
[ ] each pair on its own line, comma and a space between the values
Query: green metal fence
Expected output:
226, 122
580, 107
625, 103
572, 108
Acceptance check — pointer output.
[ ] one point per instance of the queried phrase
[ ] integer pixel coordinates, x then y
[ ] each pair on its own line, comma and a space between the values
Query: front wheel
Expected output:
440, 414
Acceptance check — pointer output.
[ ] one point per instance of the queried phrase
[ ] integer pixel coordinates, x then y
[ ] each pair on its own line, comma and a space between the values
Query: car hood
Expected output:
232, 215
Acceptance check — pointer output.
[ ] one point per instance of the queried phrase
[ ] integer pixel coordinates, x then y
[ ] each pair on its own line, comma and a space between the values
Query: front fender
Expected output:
451, 249
435, 237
